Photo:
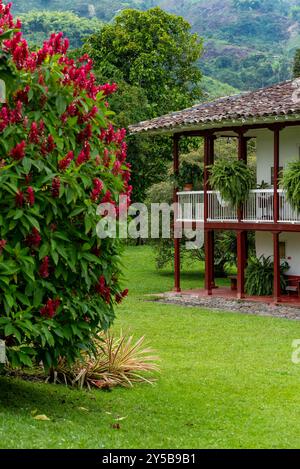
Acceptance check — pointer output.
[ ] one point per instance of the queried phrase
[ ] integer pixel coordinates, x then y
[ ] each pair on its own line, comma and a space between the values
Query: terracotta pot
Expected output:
188, 187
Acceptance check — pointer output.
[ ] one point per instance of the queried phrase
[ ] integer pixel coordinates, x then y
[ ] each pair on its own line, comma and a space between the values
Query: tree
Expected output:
60, 157
153, 55
155, 51
38, 25
296, 68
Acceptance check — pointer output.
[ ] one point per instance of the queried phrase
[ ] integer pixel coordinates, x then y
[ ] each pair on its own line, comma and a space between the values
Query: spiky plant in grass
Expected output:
118, 360
233, 179
260, 276
290, 183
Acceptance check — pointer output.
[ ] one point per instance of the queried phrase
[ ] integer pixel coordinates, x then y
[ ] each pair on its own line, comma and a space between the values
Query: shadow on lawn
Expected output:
19, 397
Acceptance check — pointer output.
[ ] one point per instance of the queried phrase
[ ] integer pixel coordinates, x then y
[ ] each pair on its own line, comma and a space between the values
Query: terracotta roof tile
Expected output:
275, 100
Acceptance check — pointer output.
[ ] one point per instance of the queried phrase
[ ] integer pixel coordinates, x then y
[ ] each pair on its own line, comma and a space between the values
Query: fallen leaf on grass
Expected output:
83, 408
118, 419
41, 417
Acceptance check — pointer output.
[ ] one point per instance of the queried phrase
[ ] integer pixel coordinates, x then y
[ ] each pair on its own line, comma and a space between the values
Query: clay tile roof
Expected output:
275, 100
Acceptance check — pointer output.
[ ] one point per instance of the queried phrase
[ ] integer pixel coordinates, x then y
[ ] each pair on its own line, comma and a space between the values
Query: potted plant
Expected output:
290, 183
233, 179
190, 175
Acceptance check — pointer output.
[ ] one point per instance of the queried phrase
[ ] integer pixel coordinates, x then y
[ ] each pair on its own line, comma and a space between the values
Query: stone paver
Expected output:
232, 305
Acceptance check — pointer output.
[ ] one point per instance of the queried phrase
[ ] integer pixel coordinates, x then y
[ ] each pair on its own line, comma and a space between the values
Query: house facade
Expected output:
272, 117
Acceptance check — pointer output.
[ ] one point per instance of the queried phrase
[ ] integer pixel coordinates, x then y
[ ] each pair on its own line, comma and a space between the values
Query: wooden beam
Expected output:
175, 198
236, 129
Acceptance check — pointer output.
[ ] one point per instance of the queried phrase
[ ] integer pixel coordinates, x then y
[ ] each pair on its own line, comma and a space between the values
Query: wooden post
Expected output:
241, 263
207, 233
208, 242
276, 172
211, 159
175, 198
277, 288
242, 156
205, 176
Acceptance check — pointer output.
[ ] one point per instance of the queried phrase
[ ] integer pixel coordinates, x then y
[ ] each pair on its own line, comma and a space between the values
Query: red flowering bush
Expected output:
60, 157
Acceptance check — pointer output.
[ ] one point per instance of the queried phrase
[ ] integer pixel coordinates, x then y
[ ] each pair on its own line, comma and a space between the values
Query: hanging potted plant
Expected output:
290, 183
233, 179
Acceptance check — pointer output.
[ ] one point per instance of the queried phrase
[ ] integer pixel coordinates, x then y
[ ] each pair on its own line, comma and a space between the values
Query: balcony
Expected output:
259, 208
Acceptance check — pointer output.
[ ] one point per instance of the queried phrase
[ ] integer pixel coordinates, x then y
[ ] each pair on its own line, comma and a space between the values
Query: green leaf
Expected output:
61, 103
33, 221
44, 250
27, 164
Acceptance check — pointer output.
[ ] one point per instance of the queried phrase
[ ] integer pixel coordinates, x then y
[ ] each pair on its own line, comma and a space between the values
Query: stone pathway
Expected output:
231, 305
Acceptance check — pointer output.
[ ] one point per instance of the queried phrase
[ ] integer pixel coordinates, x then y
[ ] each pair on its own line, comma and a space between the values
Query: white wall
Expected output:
264, 246
289, 150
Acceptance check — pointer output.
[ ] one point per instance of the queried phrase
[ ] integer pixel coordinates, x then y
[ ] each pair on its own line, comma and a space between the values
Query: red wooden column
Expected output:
277, 288
276, 172
242, 156
175, 199
208, 234
241, 262
211, 158
241, 235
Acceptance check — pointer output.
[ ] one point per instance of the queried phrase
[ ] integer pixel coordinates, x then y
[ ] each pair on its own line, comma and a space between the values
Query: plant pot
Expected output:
188, 187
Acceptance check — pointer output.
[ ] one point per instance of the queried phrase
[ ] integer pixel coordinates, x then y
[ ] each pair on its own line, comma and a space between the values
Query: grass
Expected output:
226, 381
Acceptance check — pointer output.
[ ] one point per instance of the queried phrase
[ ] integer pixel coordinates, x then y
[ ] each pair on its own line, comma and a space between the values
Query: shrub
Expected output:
117, 361
291, 184
61, 156
260, 276
233, 179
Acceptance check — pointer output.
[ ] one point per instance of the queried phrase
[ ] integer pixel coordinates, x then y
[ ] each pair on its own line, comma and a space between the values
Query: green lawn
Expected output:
226, 381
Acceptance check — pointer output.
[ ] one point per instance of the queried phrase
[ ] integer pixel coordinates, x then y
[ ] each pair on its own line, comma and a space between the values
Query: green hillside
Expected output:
248, 43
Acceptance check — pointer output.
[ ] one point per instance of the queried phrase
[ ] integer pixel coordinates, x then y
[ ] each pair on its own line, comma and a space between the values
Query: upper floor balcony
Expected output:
259, 208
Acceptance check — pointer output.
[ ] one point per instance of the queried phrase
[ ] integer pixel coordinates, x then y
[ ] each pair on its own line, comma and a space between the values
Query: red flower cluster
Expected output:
18, 152
85, 134
55, 187
34, 239
98, 187
22, 95
66, 161
48, 145
119, 296
36, 132
6, 18
44, 268
19, 198
30, 196
109, 89
84, 155
50, 308
81, 77
103, 289
3, 243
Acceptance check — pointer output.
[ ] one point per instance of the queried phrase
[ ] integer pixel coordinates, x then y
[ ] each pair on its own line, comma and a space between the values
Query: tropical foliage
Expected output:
38, 25
61, 156
291, 184
118, 360
260, 276
233, 179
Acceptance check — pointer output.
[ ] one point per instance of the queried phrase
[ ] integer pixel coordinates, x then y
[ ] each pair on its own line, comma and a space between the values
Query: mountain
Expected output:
248, 43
